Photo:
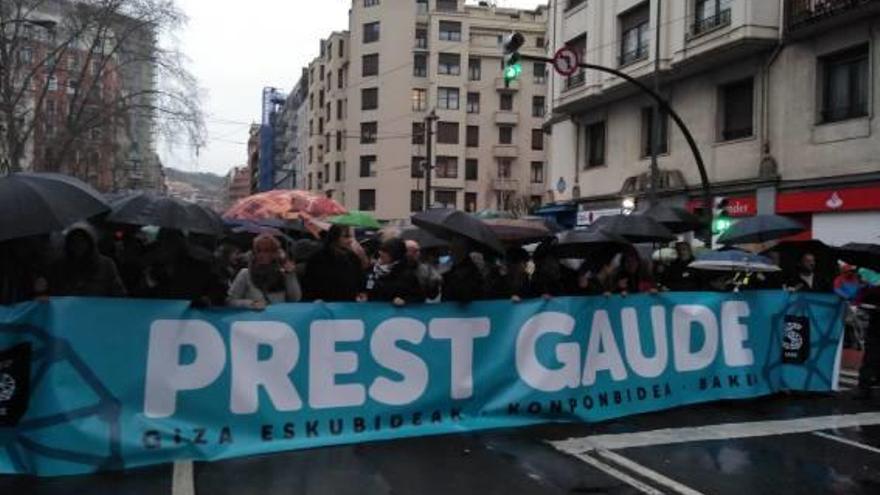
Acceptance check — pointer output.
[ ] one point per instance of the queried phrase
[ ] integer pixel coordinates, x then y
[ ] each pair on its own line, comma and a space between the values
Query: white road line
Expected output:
182, 482
648, 473
620, 475
671, 436
847, 441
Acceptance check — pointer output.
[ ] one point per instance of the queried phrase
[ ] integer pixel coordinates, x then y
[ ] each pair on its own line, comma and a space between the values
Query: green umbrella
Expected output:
355, 218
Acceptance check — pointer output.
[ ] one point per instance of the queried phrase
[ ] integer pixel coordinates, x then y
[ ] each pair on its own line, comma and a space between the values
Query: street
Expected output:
784, 444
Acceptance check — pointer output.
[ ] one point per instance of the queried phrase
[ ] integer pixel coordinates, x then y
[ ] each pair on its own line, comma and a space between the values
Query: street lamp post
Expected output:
429, 159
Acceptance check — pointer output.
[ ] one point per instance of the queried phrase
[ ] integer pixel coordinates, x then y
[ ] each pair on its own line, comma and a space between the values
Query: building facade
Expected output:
238, 184
372, 87
779, 96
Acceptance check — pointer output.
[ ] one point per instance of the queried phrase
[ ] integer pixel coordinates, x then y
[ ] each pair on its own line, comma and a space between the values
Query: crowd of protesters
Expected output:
121, 263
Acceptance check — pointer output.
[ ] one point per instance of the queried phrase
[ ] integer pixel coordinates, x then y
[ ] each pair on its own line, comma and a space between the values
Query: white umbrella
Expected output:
734, 261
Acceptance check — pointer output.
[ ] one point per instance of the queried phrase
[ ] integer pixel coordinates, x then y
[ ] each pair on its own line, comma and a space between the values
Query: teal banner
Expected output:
112, 384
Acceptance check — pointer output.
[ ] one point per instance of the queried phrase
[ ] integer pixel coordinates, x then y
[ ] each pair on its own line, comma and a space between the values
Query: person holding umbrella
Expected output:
270, 278
679, 276
394, 277
464, 282
83, 271
806, 278
335, 273
177, 270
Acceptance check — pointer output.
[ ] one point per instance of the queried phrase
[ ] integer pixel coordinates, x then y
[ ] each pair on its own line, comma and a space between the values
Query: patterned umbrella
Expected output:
355, 218
284, 204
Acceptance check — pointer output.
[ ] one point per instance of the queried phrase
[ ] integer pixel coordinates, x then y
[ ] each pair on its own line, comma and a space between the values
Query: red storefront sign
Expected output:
829, 200
745, 206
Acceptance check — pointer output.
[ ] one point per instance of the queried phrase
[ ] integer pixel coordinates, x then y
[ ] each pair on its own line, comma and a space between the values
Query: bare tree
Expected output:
88, 78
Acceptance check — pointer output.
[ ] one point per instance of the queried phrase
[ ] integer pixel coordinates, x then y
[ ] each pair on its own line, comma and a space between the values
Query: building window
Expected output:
447, 132
539, 70
472, 139
321, 74
505, 168
506, 102
737, 106
647, 127
371, 32
470, 202
368, 132
341, 48
537, 139
329, 112
339, 109
367, 200
419, 100
330, 78
595, 145
505, 134
338, 171
420, 65
422, 7
537, 174
416, 200
579, 45
338, 140
52, 84
473, 103
709, 14
475, 69
450, 31
418, 133
311, 154
310, 181
327, 172
570, 4
634, 34
446, 199
446, 167
370, 65
368, 166
447, 98
846, 85
340, 79
421, 38
449, 64
417, 167
321, 125
447, 5
471, 169
371, 3
369, 99
538, 106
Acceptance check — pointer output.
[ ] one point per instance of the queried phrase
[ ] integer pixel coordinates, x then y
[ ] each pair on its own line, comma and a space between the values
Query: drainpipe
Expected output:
768, 163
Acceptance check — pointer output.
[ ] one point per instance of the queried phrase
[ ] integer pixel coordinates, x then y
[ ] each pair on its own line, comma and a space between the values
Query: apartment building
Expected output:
779, 95
372, 87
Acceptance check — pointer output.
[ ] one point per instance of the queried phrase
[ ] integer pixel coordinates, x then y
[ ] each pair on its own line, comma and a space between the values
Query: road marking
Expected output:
728, 431
648, 473
182, 482
847, 441
616, 473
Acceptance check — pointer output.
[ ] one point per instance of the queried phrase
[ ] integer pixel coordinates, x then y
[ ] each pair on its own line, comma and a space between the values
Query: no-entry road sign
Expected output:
566, 61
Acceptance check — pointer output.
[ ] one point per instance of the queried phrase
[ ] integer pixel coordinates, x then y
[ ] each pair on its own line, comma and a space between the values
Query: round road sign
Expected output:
566, 61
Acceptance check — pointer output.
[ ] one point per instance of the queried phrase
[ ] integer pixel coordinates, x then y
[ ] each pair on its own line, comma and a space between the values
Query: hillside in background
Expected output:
200, 187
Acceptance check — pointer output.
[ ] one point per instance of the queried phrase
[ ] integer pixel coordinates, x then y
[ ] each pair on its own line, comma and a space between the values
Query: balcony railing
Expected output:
800, 13
631, 57
575, 80
710, 23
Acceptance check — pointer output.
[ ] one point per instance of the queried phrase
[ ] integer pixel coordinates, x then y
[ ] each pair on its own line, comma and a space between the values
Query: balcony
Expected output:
575, 80
505, 184
711, 23
501, 86
631, 57
503, 117
537, 189
505, 150
803, 14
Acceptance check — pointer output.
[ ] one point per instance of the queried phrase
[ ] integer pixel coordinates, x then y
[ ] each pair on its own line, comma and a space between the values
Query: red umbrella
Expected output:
284, 204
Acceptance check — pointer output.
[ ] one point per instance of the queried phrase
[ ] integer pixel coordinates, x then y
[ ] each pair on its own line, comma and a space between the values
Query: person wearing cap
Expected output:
394, 278
268, 279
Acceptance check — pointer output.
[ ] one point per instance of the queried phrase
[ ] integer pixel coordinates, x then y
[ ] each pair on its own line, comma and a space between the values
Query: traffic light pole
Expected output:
429, 158
664, 105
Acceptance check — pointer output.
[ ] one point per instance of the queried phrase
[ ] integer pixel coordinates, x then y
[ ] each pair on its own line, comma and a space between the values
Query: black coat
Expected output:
97, 278
333, 274
401, 282
820, 284
680, 277
464, 283
550, 278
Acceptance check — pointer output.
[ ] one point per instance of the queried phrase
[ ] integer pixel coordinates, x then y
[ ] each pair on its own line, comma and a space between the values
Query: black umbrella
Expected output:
585, 243
446, 223
634, 228
861, 255
39, 203
760, 228
166, 212
677, 220
425, 239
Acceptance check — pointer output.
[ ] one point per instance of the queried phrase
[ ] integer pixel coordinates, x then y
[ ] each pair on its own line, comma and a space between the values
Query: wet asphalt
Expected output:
524, 461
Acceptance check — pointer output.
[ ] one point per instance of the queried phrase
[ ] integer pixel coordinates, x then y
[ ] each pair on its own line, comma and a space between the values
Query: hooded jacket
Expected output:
92, 274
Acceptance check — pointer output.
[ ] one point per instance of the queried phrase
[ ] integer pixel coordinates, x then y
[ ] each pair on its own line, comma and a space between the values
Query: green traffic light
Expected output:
512, 72
721, 225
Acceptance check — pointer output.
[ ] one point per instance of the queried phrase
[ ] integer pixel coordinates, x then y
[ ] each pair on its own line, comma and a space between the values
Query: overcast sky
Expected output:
237, 47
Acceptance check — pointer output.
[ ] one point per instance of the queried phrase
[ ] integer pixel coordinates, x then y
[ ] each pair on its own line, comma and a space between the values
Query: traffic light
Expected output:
512, 65
721, 220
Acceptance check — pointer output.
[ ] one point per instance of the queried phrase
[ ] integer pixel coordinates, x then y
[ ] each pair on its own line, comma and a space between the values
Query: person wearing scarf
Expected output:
268, 279
394, 277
